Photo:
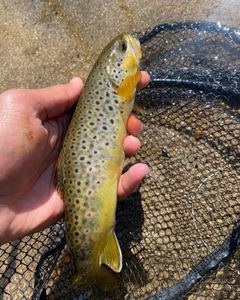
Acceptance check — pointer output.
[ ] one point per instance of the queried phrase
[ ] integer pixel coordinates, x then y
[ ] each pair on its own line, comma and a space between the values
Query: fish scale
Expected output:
91, 162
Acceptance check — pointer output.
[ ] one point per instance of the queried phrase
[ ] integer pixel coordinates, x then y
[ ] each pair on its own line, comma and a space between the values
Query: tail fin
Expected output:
106, 279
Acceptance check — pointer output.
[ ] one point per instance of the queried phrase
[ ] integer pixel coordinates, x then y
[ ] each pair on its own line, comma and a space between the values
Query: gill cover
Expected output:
123, 67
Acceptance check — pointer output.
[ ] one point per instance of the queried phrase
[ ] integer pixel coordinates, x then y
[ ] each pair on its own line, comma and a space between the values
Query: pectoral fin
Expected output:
127, 87
112, 255
138, 108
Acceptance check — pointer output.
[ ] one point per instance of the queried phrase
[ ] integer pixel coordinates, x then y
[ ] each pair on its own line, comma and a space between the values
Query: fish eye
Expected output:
123, 46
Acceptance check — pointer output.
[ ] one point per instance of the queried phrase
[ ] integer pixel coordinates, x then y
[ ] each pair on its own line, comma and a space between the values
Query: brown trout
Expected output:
91, 162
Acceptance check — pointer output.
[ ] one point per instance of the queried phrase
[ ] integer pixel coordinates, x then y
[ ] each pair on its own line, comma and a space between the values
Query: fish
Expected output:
91, 162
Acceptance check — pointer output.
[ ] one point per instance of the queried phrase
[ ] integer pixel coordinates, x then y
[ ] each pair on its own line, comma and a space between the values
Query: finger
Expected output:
130, 180
134, 126
144, 81
54, 101
131, 145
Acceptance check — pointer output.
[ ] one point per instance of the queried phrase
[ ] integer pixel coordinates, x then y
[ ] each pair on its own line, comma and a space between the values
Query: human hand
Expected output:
32, 128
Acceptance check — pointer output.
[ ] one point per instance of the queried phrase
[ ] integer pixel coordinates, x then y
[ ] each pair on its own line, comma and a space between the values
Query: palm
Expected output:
41, 205
29, 198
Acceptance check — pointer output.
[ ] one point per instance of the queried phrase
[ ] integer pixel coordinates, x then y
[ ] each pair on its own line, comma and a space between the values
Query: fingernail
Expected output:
145, 169
76, 79
134, 139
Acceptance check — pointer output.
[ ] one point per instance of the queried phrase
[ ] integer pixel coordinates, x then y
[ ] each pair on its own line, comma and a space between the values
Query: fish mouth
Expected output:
134, 46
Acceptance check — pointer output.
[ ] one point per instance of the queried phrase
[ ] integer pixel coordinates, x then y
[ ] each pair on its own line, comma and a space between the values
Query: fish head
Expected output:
123, 59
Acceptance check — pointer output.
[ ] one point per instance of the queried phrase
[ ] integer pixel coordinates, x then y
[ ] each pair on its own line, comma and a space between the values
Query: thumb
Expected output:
130, 180
54, 101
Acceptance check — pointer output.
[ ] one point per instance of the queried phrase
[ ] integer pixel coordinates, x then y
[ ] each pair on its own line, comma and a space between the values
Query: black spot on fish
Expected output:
110, 108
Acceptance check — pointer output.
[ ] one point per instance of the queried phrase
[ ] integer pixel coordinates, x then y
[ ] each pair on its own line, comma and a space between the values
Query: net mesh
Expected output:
179, 233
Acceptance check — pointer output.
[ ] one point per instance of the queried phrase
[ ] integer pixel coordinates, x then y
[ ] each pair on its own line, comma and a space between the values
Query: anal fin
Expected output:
112, 255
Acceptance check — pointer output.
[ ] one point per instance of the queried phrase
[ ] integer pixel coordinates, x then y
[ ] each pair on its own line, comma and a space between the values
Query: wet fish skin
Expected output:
91, 162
